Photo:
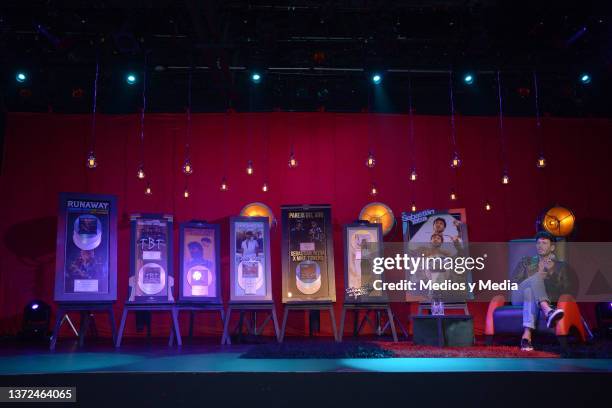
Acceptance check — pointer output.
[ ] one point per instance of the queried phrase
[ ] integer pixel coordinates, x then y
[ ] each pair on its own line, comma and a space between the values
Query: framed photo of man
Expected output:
362, 243
199, 262
250, 273
436, 235
86, 252
151, 278
307, 254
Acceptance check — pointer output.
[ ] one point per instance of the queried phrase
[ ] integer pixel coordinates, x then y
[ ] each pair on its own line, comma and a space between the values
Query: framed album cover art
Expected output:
250, 273
362, 243
151, 275
86, 252
432, 234
307, 254
199, 262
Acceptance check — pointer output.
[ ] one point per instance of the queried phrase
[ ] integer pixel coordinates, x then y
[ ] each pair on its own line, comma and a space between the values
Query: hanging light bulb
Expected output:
487, 206
224, 186
413, 207
148, 190
505, 178
187, 167
292, 161
141, 173
249, 168
456, 161
453, 195
92, 163
373, 190
541, 162
264, 188
413, 175
186, 193
370, 162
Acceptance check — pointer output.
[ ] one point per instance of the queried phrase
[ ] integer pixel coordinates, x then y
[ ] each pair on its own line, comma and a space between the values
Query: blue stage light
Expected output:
130, 79
256, 77
376, 78
21, 77
468, 79
585, 78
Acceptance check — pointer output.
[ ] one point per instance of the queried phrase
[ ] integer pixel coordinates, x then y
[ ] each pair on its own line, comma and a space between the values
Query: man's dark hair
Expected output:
440, 219
545, 235
435, 234
194, 245
207, 240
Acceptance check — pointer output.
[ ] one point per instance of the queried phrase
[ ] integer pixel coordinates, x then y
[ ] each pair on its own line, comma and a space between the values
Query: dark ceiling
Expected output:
311, 54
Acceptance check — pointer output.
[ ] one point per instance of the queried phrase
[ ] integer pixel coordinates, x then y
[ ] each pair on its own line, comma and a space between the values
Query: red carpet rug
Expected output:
414, 351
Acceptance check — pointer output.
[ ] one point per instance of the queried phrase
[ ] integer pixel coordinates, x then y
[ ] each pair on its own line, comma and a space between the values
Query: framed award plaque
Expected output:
250, 276
308, 254
86, 258
151, 275
199, 262
362, 243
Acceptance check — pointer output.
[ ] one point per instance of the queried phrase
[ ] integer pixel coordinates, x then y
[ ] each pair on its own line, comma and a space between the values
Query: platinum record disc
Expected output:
151, 278
87, 232
308, 277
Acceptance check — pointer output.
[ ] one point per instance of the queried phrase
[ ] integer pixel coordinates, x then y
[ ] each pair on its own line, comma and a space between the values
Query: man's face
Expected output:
195, 251
439, 226
544, 247
436, 241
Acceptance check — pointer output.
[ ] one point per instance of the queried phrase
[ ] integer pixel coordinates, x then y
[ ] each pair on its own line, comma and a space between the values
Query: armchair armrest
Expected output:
496, 302
571, 317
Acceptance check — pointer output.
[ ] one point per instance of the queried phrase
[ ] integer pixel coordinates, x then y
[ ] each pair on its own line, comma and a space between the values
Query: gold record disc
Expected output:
378, 213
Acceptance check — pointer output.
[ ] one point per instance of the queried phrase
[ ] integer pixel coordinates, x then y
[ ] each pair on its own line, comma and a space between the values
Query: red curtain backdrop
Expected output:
44, 154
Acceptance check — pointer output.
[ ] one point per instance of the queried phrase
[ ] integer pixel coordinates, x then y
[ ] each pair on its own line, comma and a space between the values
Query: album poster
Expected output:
250, 278
151, 276
86, 256
362, 243
307, 253
436, 234
199, 262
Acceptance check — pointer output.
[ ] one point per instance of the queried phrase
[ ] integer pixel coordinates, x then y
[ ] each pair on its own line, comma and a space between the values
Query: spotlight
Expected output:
487, 206
249, 169
453, 195
186, 193
130, 79
264, 188
21, 77
256, 78
585, 79
413, 207
468, 79
376, 78
36, 319
148, 190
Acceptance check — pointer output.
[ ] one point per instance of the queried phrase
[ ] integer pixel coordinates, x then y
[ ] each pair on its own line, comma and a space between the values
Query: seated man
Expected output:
541, 278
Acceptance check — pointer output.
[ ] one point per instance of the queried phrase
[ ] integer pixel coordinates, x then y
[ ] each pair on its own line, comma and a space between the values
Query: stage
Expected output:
203, 371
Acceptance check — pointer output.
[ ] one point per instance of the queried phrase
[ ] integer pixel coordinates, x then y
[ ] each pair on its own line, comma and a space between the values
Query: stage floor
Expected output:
140, 357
